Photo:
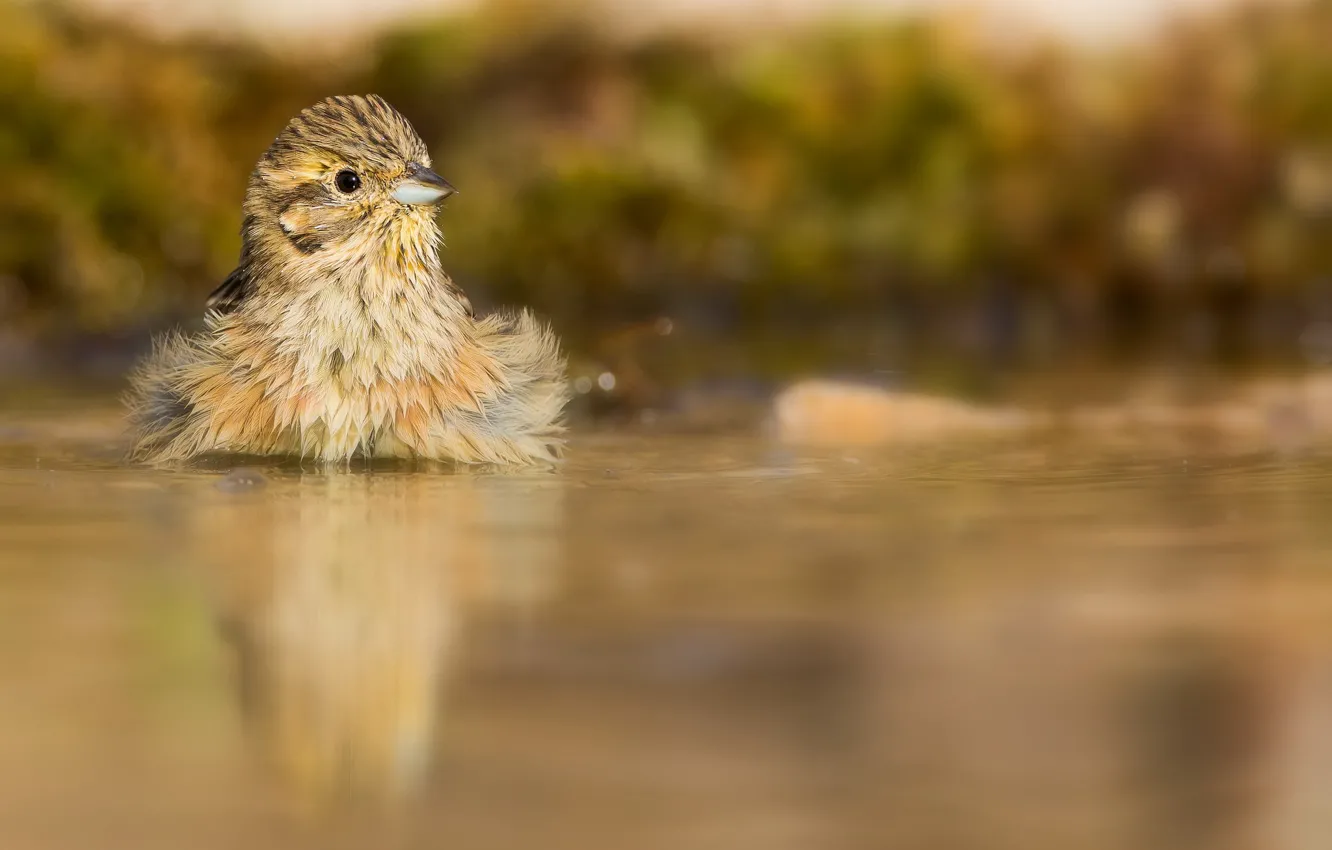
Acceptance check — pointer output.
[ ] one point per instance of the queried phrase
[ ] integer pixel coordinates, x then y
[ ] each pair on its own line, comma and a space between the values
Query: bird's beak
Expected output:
420, 185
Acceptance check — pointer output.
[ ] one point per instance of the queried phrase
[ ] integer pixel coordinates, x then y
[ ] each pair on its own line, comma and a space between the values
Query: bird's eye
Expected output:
347, 181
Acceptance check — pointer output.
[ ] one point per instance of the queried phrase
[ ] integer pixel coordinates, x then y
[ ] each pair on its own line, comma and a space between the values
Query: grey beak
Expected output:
420, 185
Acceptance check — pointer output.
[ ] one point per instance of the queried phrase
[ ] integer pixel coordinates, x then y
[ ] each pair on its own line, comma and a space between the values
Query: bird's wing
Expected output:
232, 291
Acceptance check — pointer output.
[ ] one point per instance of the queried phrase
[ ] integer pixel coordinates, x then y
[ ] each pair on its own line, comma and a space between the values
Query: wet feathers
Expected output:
339, 335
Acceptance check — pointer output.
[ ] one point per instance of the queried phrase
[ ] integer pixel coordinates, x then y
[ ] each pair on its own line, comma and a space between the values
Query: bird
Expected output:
338, 335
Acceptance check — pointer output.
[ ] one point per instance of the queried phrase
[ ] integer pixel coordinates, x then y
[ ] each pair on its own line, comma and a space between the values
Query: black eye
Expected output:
347, 181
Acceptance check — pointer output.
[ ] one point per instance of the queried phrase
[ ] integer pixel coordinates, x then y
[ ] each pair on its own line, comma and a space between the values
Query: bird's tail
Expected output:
531, 411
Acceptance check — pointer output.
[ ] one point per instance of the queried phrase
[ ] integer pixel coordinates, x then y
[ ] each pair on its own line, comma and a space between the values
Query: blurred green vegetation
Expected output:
829, 170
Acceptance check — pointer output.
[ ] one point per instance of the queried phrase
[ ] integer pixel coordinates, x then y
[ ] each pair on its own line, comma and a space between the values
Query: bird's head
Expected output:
347, 180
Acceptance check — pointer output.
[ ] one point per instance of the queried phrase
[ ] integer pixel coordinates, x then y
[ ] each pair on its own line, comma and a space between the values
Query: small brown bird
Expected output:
338, 335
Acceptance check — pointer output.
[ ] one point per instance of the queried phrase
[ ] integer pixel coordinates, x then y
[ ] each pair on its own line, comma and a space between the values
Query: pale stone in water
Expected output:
840, 413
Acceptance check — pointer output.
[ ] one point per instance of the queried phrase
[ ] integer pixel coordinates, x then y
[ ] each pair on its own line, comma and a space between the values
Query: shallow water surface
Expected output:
674, 642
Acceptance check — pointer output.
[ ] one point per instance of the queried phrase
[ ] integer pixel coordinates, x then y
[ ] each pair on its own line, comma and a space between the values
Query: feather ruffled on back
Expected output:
159, 411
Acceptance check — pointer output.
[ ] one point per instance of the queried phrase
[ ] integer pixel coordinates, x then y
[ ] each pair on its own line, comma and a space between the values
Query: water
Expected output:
677, 642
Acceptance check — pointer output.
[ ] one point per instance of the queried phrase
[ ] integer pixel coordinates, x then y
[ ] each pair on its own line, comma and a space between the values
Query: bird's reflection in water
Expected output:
344, 598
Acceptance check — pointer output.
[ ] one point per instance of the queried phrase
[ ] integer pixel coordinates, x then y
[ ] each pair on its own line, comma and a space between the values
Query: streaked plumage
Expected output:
339, 335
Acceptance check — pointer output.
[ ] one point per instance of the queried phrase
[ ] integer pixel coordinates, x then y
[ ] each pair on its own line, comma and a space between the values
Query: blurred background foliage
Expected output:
914, 170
